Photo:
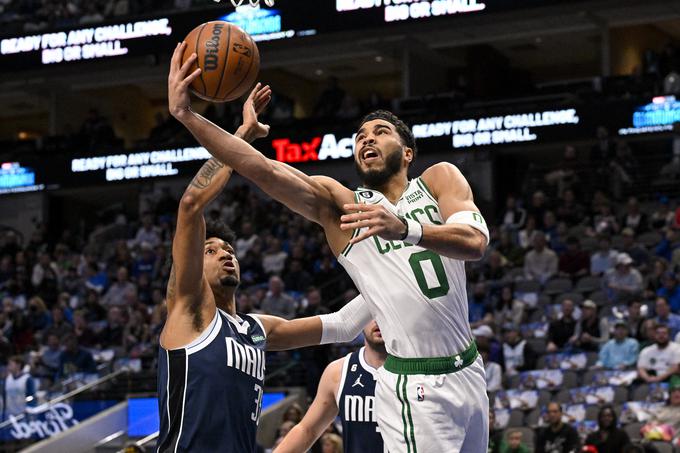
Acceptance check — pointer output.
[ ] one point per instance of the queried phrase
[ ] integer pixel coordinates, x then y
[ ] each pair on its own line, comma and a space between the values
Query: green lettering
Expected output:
379, 246
414, 216
433, 208
396, 245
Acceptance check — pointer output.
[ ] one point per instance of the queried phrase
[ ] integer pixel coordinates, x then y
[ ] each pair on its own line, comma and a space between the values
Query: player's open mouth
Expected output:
369, 154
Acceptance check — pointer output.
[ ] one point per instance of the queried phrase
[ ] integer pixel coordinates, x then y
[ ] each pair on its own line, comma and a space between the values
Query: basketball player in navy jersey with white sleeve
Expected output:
211, 359
347, 389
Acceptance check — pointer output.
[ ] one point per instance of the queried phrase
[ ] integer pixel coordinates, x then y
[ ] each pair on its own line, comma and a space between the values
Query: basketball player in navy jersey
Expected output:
211, 360
347, 389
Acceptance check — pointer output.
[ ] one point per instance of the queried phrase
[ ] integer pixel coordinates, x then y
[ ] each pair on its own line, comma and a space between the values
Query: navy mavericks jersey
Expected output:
210, 392
356, 405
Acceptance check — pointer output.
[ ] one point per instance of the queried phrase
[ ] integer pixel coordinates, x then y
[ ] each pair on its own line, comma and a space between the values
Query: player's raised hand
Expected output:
179, 102
255, 104
377, 218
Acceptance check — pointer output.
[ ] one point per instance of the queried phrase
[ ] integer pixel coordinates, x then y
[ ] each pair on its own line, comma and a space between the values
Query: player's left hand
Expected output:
255, 104
377, 218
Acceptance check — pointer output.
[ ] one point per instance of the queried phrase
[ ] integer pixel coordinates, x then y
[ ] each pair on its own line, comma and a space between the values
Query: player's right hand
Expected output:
179, 102
255, 104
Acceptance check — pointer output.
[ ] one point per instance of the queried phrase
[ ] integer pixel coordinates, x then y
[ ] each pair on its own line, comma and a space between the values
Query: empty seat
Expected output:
527, 286
516, 418
576, 298
569, 379
599, 297
620, 395
557, 286
663, 447
563, 397
649, 239
544, 397
539, 345
533, 417
591, 412
633, 430
591, 358
641, 392
588, 284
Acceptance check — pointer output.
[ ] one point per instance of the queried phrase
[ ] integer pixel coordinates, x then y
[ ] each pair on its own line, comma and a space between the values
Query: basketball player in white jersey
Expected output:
347, 388
404, 244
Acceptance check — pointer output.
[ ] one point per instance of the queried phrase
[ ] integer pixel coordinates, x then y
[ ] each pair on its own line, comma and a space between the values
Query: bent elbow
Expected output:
189, 203
478, 250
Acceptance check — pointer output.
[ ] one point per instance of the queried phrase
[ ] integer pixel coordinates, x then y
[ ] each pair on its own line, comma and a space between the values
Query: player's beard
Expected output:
378, 178
230, 281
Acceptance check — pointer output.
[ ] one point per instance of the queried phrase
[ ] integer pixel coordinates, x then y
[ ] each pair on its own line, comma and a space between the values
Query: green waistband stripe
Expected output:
410, 418
433, 365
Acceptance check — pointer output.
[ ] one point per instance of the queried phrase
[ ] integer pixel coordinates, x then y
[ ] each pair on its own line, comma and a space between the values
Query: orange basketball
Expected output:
228, 58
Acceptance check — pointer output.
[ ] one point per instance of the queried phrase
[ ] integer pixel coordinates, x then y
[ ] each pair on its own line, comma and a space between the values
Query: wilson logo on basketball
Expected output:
212, 46
243, 50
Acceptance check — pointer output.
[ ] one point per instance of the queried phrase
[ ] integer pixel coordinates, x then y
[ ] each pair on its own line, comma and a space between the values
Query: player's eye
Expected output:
209, 251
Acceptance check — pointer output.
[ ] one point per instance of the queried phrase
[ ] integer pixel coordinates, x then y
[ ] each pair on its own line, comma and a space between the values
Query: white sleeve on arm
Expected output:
347, 323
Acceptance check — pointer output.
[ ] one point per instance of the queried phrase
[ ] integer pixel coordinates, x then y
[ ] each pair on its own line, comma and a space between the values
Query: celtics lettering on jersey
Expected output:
245, 358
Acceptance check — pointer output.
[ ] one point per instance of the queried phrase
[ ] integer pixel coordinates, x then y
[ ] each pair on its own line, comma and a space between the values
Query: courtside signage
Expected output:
496, 130
15, 178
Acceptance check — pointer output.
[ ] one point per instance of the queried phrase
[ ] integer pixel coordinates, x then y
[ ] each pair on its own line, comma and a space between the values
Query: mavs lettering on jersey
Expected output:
210, 392
356, 405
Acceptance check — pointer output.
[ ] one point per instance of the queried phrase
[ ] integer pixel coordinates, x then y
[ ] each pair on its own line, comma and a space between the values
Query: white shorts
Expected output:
442, 413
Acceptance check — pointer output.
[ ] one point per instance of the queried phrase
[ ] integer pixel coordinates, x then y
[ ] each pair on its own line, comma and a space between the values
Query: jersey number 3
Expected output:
255, 416
416, 261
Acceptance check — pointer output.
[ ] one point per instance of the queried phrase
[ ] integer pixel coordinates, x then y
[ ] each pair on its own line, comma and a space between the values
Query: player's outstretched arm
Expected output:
320, 414
339, 327
186, 289
463, 236
314, 198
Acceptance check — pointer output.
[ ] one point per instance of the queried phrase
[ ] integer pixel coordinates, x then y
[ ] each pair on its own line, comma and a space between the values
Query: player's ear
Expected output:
409, 155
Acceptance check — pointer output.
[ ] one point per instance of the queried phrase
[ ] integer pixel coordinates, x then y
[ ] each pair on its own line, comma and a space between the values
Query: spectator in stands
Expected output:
38, 318
480, 309
669, 414
246, 239
537, 208
569, 210
663, 216
525, 237
111, 336
274, 258
331, 443
495, 435
19, 385
278, 303
59, 326
294, 414
635, 318
591, 332
508, 309
513, 443
557, 437
637, 252
493, 269
518, 355
118, 292
624, 281
669, 243
540, 263
296, 277
75, 359
634, 218
574, 262
85, 335
665, 317
147, 232
671, 291
604, 258
609, 438
494, 372
45, 278
510, 251
485, 338
330, 99
604, 222
620, 352
562, 329
661, 360
49, 356
514, 215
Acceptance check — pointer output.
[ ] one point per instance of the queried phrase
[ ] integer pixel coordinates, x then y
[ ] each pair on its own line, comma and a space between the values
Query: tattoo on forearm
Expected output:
207, 172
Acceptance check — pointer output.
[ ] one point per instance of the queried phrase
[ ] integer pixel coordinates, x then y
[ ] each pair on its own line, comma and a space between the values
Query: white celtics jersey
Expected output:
417, 297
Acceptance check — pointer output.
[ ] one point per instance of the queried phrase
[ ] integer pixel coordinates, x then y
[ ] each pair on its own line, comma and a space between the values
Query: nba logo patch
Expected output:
420, 393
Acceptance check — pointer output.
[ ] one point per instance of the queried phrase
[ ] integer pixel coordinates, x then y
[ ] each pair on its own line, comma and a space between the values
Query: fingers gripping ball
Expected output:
228, 58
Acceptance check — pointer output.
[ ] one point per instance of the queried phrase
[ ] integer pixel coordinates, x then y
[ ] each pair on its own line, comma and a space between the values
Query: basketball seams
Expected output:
198, 40
226, 61
250, 65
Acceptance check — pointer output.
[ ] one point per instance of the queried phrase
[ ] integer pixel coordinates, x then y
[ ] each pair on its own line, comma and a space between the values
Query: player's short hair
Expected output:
402, 129
219, 229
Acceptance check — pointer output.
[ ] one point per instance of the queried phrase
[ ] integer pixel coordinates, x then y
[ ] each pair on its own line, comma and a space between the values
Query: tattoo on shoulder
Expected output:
207, 173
